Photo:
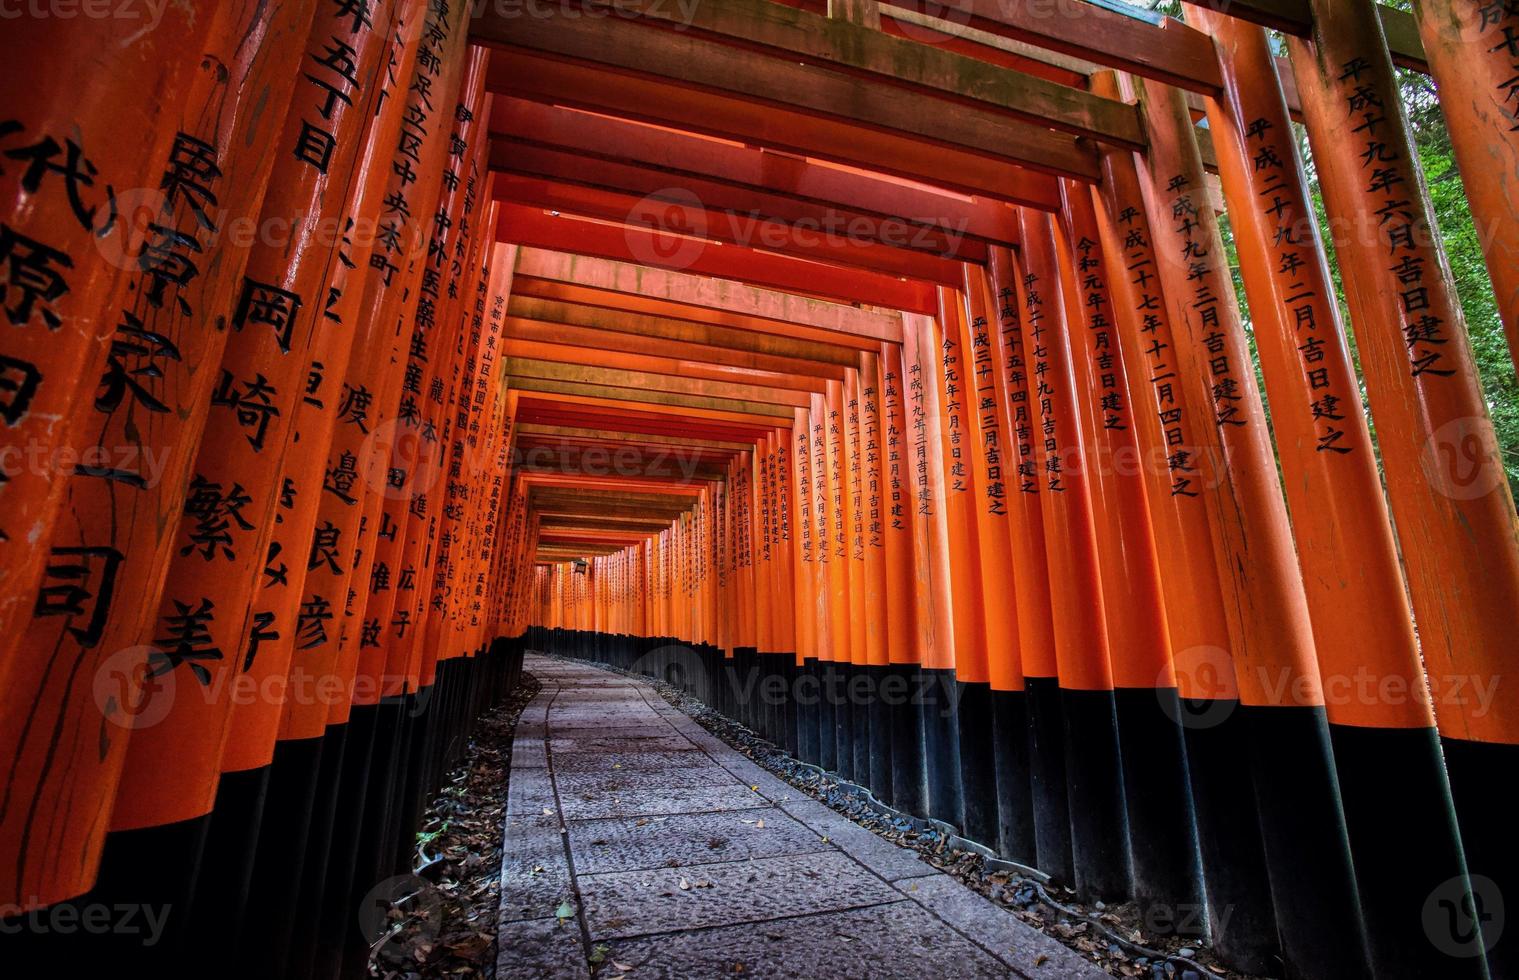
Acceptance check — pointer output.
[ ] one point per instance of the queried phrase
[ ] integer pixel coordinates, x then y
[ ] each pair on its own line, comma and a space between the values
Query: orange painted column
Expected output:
1170, 429
1005, 713
977, 625
1164, 857
901, 588
1050, 844
1473, 52
852, 495
1099, 858
749, 668
1387, 748
808, 689
437, 347
485, 445
825, 572
397, 456
872, 511
787, 632
447, 563
68, 728
901, 584
82, 128
843, 629
1450, 499
937, 690
459, 276
1281, 695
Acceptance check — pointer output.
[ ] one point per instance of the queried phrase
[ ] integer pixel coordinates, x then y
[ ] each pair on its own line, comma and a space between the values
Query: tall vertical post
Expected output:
1297, 796
83, 121
1045, 737
902, 650
1445, 480
1178, 465
996, 480
1473, 52
1386, 748
71, 743
1081, 637
1162, 831
931, 556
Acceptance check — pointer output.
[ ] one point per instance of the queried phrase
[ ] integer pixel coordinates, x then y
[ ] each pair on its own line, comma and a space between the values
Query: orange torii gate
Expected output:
876, 376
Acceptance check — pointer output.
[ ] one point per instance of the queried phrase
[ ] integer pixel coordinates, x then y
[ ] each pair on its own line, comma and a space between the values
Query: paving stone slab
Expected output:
635, 804
541, 948
530, 792
535, 875
897, 940
632, 732
876, 853
625, 783
633, 903
1027, 950
601, 743
632, 761
624, 844
528, 753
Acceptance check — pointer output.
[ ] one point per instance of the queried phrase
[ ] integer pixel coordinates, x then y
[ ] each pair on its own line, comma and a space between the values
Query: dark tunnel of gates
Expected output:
874, 374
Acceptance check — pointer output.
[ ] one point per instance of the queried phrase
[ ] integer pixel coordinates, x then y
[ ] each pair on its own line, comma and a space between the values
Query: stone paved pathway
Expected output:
684, 859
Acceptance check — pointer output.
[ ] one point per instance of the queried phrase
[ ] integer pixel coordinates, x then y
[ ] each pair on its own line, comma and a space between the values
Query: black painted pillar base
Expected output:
152, 871
1241, 918
806, 694
1307, 853
1047, 776
322, 848
1402, 863
227, 864
275, 891
860, 695
843, 722
900, 692
1015, 839
978, 763
1482, 784
880, 732
827, 709
1166, 865
1094, 783
939, 719
336, 920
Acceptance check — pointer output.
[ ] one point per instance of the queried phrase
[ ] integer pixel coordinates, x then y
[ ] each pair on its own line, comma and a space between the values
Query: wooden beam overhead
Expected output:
749, 76
866, 51
548, 311
645, 381
654, 101
806, 221
678, 209
536, 228
1296, 17
1170, 52
753, 413
724, 296
543, 331
601, 357
686, 154
572, 432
